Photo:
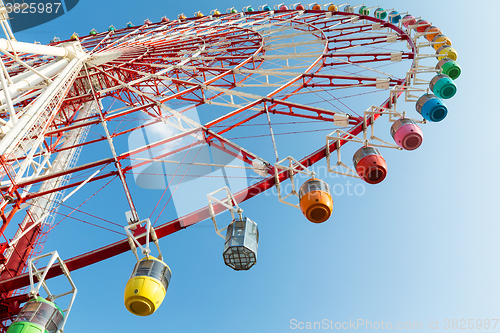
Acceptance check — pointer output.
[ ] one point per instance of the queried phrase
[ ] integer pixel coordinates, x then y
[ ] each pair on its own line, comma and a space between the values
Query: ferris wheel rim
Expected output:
267, 182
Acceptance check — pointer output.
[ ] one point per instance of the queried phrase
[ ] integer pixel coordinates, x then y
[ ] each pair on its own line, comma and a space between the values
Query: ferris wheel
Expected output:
190, 117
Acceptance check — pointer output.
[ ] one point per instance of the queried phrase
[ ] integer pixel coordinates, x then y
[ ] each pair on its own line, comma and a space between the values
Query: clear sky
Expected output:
421, 246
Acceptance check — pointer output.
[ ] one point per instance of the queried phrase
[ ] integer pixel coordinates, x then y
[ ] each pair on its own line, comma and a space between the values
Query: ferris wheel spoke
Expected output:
136, 92
269, 25
290, 109
364, 42
213, 139
343, 31
194, 163
369, 57
259, 21
108, 162
100, 45
107, 41
344, 81
357, 64
302, 43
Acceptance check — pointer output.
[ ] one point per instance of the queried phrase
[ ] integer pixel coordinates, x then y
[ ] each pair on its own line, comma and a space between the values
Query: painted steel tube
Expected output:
26, 120
33, 79
12, 46
25, 74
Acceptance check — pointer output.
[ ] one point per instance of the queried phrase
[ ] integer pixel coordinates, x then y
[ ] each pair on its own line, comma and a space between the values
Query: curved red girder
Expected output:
166, 229
7, 285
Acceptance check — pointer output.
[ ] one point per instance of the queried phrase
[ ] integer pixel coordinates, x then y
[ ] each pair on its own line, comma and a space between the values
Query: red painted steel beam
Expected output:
174, 225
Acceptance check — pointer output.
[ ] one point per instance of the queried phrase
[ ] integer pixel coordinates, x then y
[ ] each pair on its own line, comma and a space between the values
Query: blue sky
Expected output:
422, 245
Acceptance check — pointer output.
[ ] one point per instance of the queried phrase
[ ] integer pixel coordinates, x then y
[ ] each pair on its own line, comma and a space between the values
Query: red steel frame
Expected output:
242, 50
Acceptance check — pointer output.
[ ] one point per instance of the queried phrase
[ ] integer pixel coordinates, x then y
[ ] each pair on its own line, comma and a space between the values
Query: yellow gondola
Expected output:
146, 288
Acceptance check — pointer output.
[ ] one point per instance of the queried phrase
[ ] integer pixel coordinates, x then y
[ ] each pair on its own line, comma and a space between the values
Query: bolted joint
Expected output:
9, 198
